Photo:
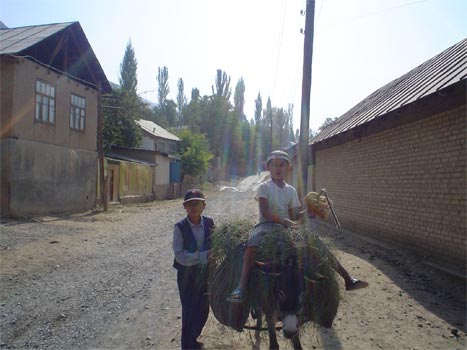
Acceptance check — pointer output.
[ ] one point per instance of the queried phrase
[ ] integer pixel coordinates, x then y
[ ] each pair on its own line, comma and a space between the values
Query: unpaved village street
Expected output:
105, 281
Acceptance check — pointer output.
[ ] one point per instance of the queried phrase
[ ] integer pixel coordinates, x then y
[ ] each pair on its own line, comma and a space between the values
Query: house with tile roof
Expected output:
50, 83
395, 163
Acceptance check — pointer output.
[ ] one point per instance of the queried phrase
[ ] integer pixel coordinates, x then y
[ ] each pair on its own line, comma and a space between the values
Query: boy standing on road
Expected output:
191, 246
278, 205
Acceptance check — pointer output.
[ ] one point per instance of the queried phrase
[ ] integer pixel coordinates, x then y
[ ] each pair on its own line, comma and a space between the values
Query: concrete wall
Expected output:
47, 179
405, 185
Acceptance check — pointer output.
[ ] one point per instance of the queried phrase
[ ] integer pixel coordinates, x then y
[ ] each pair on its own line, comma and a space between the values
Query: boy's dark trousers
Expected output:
192, 285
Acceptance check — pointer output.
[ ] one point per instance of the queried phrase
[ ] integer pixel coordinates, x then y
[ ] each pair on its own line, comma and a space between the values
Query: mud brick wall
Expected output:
405, 185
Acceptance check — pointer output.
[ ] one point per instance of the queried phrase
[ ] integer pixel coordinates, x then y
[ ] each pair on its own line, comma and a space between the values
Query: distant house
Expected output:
156, 138
164, 182
395, 164
50, 79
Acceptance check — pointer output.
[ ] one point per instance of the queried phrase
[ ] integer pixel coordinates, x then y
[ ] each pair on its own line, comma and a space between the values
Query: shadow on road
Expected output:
440, 293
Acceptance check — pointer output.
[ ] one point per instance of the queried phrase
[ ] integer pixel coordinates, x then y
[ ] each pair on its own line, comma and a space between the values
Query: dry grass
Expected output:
313, 255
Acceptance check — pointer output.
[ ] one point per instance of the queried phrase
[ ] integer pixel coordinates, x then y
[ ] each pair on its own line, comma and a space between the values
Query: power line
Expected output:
283, 11
368, 14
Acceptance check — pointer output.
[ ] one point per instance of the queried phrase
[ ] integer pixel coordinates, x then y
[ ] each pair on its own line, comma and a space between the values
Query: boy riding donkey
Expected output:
278, 206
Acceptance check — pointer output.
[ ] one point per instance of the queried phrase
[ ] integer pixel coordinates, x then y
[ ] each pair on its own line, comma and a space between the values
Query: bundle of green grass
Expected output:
313, 256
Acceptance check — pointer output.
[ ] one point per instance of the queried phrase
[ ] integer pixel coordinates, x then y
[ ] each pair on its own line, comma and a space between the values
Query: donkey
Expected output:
278, 292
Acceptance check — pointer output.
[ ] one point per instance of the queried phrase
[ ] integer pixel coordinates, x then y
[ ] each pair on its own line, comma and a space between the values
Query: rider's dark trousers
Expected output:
192, 285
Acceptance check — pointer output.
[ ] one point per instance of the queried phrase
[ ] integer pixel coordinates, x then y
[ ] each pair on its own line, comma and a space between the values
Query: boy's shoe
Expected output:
355, 284
237, 296
198, 345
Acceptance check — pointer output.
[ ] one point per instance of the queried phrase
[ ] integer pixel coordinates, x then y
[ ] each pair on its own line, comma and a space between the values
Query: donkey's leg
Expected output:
296, 342
258, 315
273, 344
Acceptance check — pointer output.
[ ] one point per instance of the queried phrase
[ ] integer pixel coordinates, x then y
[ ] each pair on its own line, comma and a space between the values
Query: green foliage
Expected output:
128, 79
195, 153
163, 84
120, 109
241, 145
222, 85
214, 117
258, 108
181, 101
166, 115
239, 99
314, 257
326, 123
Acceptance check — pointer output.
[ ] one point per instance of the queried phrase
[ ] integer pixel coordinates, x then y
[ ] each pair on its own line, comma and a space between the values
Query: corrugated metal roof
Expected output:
15, 40
439, 72
156, 130
35, 42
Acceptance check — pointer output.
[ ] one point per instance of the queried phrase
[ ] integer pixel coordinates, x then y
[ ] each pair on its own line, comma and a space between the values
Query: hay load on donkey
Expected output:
293, 280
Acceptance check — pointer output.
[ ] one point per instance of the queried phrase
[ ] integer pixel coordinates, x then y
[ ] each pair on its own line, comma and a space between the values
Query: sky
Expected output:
358, 46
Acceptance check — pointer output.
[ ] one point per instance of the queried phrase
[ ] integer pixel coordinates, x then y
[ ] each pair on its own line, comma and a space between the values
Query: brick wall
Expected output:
405, 185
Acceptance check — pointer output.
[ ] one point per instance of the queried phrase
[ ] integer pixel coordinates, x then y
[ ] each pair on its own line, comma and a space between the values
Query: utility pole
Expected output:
100, 150
305, 107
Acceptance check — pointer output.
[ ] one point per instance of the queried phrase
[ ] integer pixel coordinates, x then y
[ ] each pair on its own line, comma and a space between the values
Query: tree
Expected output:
181, 101
128, 80
195, 155
122, 107
326, 123
258, 108
192, 114
163, 84
269, 122
120, 112
222, 84
281, 119
239, 99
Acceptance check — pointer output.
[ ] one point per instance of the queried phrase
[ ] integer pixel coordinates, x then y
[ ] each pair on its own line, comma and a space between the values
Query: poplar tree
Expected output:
181, 101
128, 79
239, 99
258, 108
123, 106
163, 85
222, 85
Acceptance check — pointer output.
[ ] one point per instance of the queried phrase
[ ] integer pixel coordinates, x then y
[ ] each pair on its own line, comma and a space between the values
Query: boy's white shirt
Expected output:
280, 200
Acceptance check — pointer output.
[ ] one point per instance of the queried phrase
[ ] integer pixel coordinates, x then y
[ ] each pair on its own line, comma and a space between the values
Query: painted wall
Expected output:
135, 179
405, 185
147, 143
19, 95
162, 170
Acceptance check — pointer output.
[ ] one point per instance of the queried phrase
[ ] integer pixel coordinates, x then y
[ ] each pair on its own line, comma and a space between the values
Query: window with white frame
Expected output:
77, 112
45, 102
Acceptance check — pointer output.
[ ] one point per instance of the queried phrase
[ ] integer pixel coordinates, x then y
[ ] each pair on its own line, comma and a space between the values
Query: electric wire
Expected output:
278, 53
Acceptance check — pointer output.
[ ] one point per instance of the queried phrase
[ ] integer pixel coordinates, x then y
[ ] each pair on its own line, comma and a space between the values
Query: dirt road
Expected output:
105, 281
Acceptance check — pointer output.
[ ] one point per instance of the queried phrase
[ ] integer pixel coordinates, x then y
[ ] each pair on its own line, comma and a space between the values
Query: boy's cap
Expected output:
278, 155
193, 195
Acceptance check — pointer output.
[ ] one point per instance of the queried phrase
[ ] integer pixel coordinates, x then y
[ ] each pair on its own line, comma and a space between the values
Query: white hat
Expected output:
278, 155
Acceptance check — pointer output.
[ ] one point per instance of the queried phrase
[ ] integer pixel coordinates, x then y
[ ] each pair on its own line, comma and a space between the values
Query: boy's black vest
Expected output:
189, 241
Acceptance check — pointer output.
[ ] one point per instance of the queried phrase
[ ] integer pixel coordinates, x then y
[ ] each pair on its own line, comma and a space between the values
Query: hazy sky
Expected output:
359, 45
